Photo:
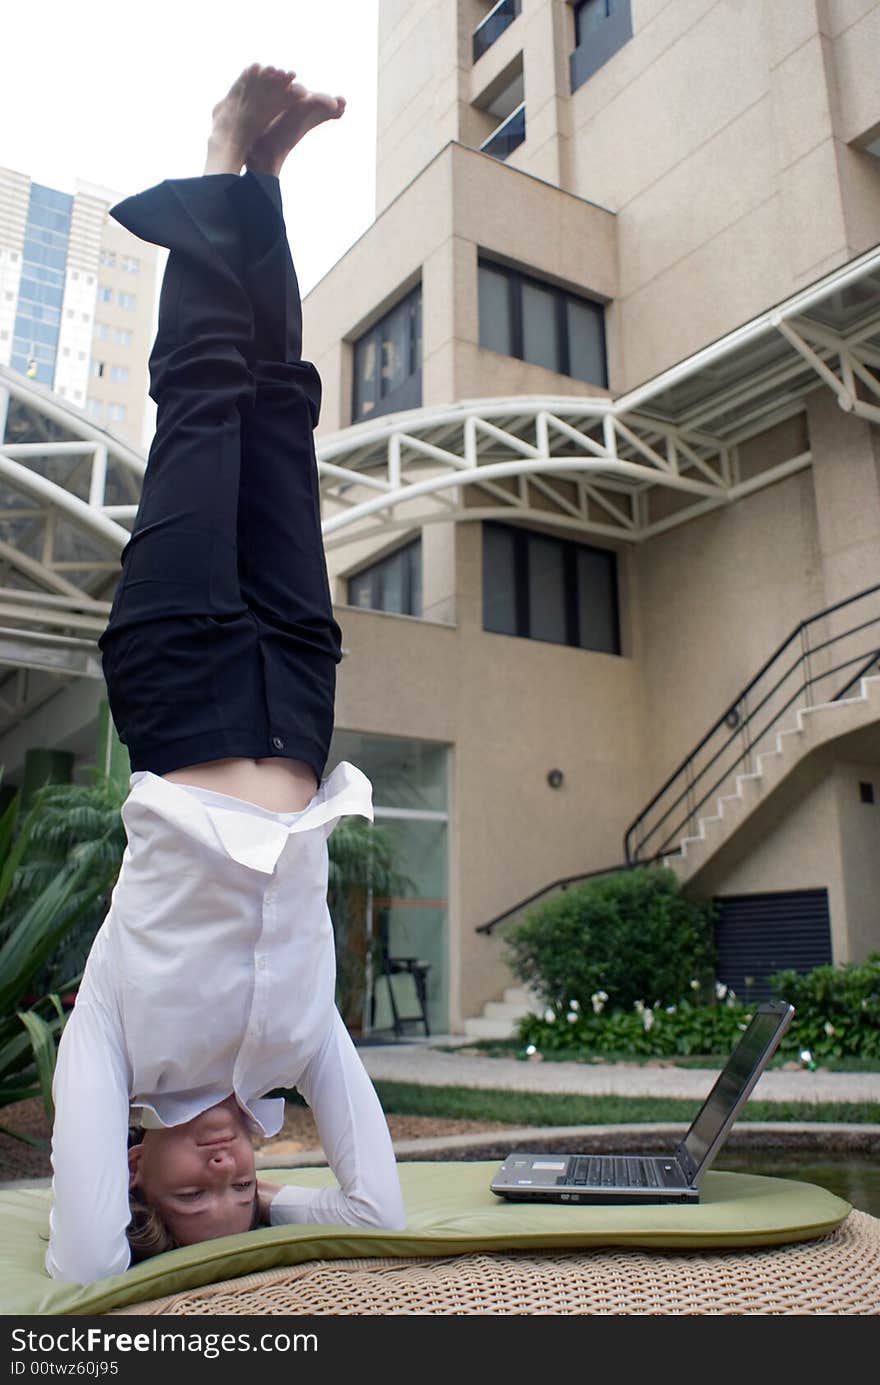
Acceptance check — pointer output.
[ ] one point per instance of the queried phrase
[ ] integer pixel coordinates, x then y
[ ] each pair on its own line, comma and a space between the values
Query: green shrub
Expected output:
837, 1009
629, 936
837, 1015
644, 1030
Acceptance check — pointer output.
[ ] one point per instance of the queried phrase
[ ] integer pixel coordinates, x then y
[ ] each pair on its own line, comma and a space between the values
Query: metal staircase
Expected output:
822, 683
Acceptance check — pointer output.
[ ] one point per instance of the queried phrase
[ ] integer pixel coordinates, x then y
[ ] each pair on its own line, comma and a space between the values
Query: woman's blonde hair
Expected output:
147, 1233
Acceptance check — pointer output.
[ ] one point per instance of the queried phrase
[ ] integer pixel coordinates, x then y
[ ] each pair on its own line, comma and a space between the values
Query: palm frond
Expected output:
43, 1045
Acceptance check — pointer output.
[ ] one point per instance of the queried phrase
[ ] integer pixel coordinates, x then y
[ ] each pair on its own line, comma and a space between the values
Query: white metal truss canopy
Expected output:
625, 468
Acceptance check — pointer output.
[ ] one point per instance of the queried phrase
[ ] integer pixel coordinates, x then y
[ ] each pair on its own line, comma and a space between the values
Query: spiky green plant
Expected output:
66, 824
57, 866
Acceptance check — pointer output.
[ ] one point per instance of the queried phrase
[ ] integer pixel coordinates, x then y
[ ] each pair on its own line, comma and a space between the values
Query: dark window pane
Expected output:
499, 581
494, 304
395, 349
586, 352
546, 590
596, 601
589, 16
391, 582
540, 344
415, 359
365, 376
414, 553
360, 590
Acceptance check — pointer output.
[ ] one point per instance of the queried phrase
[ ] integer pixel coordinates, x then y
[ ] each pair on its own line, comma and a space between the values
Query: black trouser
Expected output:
221, 639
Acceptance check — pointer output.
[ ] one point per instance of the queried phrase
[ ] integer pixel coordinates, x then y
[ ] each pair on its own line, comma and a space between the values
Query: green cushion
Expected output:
449, 1210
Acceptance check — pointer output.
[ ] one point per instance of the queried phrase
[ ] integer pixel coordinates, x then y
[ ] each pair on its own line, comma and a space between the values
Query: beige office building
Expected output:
77, 295
599, 449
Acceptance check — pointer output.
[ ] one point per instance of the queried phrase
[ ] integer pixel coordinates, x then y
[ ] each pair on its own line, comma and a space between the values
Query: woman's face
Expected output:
199, 1177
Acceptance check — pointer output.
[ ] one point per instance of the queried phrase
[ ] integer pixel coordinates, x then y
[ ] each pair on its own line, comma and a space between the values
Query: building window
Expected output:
392, 584
127, 300
119, 374
543, 588
108, 258
105, 293
102, 331
130, 264
122, 336
601, 27
95, 408
509, 135
388, 361
116, 413
493, 25
97, 368
537, 322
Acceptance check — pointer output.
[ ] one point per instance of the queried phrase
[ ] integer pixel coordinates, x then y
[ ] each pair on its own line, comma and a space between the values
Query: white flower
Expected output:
549, 1015
695, 985
574, 1005
597, 1000
530, 1049
571, 1017
670, 1009
647, 1019
720, 990
639, 1006
805, 1055
829, 1028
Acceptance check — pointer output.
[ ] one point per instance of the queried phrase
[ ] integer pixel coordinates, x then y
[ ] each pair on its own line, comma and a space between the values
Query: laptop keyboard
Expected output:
611, 1171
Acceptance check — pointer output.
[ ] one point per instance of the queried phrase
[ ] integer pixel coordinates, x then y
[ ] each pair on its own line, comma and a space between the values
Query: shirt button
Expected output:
277, 742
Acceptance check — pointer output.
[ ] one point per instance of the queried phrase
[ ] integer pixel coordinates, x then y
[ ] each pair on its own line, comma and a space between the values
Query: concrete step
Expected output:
483, 1028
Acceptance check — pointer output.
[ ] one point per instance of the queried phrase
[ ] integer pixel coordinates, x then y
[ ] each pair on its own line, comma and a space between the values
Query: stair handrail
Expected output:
631, 856
562, 884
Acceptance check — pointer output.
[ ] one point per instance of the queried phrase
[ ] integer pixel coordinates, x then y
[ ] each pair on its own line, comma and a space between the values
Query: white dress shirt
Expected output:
213, 973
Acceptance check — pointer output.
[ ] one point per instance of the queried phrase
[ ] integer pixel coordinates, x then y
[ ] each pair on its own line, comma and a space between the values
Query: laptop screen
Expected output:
762, 1034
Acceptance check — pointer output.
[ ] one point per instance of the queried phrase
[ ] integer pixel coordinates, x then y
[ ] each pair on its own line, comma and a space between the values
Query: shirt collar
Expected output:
255, 840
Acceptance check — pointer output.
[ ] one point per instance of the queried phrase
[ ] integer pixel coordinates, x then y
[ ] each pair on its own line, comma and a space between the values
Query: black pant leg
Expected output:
181, 558
282, 566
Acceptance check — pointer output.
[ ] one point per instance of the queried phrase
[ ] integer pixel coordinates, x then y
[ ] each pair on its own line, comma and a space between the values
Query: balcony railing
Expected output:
509, 134
499, 18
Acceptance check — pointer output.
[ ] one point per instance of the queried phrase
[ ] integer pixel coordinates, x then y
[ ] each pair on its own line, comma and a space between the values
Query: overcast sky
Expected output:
121, 95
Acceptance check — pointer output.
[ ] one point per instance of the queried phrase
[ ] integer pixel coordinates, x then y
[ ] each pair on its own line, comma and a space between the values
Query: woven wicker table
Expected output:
839, 1273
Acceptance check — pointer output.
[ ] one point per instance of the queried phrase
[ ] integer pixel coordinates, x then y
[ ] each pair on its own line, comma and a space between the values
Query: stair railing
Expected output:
822, 660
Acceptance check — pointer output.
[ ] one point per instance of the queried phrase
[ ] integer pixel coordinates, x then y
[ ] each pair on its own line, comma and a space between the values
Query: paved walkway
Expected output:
444, 1067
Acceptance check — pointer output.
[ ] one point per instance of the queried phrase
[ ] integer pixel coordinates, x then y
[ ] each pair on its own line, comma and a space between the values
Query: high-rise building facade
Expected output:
77, 296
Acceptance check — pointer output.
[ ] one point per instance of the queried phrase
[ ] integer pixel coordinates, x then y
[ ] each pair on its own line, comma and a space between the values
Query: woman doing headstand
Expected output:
211, 980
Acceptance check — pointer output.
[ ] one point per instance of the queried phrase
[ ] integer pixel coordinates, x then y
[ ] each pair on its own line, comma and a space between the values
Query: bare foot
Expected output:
305, 110
252, 102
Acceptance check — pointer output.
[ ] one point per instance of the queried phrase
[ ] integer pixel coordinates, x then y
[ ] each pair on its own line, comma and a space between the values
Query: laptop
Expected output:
675, 1177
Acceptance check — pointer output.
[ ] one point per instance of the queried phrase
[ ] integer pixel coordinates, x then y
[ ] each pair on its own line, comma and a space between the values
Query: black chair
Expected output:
389, 967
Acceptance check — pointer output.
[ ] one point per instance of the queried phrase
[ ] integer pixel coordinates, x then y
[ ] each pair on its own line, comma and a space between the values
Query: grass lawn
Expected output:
541, 1108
